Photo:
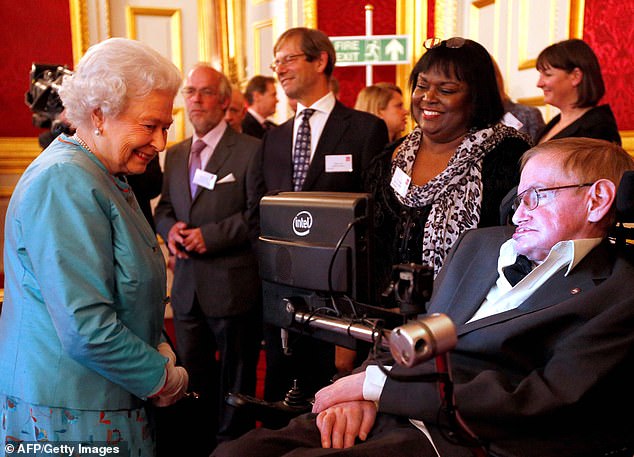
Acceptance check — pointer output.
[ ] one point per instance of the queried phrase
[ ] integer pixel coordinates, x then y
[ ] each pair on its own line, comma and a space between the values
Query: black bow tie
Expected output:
516, 272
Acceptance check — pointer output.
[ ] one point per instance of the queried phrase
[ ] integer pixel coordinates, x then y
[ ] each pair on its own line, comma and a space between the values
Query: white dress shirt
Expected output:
323, 107
502, 297
211, 139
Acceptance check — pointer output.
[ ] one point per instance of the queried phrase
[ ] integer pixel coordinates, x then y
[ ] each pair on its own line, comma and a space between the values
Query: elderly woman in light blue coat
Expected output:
80, 328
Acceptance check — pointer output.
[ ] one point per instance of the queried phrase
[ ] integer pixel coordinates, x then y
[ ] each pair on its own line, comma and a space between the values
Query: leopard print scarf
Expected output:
455, 195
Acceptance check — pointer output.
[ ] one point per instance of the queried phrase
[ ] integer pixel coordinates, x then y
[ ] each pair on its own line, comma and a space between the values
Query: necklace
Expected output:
125, 190
82, 143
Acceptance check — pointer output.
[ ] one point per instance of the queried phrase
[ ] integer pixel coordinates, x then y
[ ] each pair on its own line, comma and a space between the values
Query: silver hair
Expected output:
113, 72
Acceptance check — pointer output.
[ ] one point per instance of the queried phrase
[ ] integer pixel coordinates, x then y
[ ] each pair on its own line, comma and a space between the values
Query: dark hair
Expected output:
257, 84
469, 63
575, 53
312, 42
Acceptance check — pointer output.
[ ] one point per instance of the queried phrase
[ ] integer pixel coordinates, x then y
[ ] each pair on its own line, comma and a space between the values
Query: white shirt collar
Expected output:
256, 115
503, 296
325, 105
573, 251
211, 138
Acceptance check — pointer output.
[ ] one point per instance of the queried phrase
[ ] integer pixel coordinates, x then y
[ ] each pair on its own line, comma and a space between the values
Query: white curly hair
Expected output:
110, 74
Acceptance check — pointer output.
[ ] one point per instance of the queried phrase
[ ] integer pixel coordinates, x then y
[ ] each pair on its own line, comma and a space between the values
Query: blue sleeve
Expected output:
65, 218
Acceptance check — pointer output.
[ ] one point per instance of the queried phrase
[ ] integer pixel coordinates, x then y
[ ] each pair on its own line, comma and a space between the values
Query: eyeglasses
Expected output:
286, 60
189, 92
530, 197
452, 43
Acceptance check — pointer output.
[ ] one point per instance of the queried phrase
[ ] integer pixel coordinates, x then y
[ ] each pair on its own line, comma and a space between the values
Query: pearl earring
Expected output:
97, 132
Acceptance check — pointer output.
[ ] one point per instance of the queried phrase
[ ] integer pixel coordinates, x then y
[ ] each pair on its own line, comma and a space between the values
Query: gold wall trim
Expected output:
80, 38
204, 32
175, 27
475, 14
310, 14
532, 101
627, 138
445, 17
228, 64
527, 64
577, 8
6, 192
106, 4
221, 26
411, 19
482, 3
524, 63
16, 153
257, 43
237, 30
230, 21
179, 123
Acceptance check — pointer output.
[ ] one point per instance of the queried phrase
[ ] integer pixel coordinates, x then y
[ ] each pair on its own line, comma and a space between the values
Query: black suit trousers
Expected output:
220, 355
391, 437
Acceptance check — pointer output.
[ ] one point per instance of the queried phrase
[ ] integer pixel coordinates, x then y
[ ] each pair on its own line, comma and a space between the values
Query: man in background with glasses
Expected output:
207, 216
544, 359
326, 146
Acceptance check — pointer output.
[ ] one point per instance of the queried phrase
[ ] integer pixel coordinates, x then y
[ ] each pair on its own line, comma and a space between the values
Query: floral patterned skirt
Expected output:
24, 422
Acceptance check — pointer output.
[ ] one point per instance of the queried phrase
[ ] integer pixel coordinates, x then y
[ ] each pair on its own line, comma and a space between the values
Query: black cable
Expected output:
337, 247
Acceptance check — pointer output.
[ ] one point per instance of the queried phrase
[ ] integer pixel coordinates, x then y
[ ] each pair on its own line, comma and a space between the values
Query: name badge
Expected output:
400, 182
205, 179
341, 163
511, 121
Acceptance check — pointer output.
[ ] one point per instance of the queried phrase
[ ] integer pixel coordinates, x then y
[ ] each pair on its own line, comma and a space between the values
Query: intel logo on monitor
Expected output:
302, 223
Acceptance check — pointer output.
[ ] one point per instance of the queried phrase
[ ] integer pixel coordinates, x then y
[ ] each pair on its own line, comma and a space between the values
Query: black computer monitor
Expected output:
315, 246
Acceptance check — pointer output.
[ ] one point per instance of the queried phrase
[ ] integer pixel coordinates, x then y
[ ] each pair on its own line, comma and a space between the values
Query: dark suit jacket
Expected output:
545, 379
225, 279
251, 126
599, 122
146, 186
347, 131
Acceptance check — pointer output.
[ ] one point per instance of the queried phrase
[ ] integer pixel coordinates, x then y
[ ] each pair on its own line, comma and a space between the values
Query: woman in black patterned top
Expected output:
451, 172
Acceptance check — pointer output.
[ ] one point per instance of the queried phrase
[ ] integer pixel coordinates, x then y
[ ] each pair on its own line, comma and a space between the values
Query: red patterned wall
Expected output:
39, 31
347, 18
32, 31
608, 30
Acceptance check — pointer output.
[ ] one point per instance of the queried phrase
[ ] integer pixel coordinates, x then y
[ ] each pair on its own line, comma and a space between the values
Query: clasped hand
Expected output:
342, 413
176, 381
189, 239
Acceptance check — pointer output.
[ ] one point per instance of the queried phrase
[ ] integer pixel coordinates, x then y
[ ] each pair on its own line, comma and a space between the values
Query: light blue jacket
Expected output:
84, 288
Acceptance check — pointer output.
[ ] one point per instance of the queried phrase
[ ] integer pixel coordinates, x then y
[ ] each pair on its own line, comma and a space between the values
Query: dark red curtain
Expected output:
32, 31
608, 30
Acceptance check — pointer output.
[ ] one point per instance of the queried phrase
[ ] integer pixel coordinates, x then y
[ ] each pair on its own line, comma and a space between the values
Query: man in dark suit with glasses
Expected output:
324, 147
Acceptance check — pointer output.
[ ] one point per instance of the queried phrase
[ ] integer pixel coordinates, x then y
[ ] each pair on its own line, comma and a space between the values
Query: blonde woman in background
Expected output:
385, 100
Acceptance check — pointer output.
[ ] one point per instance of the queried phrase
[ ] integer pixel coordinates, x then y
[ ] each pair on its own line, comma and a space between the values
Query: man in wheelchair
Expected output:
544, 359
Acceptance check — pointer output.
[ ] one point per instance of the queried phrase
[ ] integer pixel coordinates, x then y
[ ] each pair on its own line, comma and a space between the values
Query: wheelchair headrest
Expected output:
625, 198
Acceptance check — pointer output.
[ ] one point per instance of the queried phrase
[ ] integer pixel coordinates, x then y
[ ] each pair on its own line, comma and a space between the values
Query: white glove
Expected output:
166, 351
176, 380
